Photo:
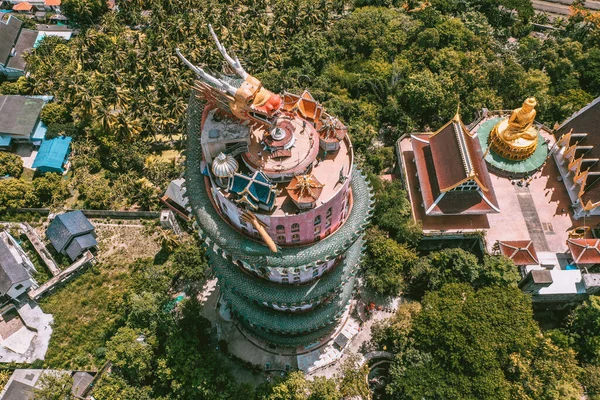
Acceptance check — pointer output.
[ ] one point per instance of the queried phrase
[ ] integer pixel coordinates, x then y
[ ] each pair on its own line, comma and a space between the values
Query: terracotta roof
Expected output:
305, 104
52, 2
522, 252
447, 159
580, 135
304, 189
22, 6
585, 251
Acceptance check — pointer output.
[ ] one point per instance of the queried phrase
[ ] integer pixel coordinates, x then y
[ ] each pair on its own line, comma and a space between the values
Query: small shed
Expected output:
53, 155
71, 234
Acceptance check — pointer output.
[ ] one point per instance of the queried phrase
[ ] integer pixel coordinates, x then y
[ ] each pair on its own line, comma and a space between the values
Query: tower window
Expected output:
328, 214
317, 220
281, 239
317, 230
280, 229
295, 237
295, 227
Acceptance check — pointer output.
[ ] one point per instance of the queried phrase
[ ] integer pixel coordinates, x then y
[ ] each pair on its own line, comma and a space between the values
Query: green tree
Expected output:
393, 334
131, 352
385, 261
10, 164
584, 330
55, 113
189, 262
15, 193
50, 189
484, 344
113, 387
54, 386
84, 12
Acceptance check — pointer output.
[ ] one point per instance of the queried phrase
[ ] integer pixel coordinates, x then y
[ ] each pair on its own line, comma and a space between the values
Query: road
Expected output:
561, 7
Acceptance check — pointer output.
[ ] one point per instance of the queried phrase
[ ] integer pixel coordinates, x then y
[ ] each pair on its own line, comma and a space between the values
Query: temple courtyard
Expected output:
538, 210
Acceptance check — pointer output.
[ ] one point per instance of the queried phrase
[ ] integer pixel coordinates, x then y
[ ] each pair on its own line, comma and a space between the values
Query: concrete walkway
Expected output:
532, 219
38, 244
26, 346
87, 258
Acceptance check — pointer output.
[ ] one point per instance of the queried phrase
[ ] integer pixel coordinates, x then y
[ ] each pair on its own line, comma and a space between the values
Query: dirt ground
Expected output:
125, 242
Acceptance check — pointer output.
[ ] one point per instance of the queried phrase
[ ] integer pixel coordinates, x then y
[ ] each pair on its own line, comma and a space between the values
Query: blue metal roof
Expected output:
5, 140
53, 154
66, 226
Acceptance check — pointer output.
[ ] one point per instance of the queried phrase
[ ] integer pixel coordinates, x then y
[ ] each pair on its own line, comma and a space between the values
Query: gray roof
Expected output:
79, 244
18, 391
66, 226
9, 32
11, 271
19, 115
24, 44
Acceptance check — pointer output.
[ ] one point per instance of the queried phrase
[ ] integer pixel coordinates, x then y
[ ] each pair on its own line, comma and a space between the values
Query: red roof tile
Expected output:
585, 251
52, 2
23, 6
446, 159
521, 252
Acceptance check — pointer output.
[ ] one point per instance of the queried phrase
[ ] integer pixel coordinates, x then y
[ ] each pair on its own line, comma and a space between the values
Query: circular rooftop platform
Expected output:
504, 166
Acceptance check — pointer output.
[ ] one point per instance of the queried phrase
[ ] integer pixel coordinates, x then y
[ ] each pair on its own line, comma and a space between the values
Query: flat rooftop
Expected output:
540, 212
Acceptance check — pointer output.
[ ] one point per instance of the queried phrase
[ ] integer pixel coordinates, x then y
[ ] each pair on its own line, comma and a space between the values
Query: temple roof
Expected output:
580, 135
585, 251
304, 189
253, 190
446, 160
522, 252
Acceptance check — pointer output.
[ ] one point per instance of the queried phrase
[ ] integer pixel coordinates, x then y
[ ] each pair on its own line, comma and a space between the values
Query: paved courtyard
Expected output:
539, 212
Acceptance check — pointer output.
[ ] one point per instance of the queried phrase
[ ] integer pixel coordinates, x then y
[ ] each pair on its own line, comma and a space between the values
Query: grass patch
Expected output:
43, 274
87, 311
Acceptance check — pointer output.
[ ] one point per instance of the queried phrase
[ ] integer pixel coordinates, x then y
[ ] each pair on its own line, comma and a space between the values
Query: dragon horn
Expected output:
235, 64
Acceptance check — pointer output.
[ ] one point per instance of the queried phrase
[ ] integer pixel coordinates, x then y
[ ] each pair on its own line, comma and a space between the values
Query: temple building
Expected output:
279, 203
577, 153
453, 177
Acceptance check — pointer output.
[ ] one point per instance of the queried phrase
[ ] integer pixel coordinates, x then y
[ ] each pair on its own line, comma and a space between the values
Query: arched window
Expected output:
295, 237
317, 230
317, 220
280, 239
295, 227
328, 214
280, 229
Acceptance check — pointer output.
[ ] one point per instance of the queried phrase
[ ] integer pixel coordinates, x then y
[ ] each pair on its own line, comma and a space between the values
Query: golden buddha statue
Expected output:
516, 138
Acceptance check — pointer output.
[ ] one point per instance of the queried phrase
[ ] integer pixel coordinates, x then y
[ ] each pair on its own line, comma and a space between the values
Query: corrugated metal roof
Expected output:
52, 154
9, 32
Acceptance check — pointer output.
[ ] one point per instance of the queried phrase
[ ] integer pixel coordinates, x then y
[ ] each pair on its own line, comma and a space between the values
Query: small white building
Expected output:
15, 268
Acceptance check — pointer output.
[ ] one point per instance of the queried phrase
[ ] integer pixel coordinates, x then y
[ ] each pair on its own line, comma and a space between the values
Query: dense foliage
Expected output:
477, 345
10, 164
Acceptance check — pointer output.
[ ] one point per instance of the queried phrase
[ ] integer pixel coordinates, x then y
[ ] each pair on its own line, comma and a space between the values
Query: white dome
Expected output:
224, 166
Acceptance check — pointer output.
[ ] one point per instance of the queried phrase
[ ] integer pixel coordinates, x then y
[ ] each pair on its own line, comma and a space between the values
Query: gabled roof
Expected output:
66, 226
522, 252
11, 271
253, 190
19, 115
51, 3
454, 158
22, 6
25, 43
304, 104
447, 159
52, 153
584, 251
9, 32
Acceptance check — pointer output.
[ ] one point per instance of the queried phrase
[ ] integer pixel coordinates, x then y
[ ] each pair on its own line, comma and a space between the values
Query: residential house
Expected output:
20, 120
53, 155
15, 268
23, 382
15, 42
35, 5
71, 234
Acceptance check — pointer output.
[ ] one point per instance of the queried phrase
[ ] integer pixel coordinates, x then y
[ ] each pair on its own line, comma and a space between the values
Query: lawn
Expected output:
90, 308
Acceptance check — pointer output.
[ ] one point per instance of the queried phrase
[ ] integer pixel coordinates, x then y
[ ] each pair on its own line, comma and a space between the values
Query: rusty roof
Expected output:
522, 252
584, 251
